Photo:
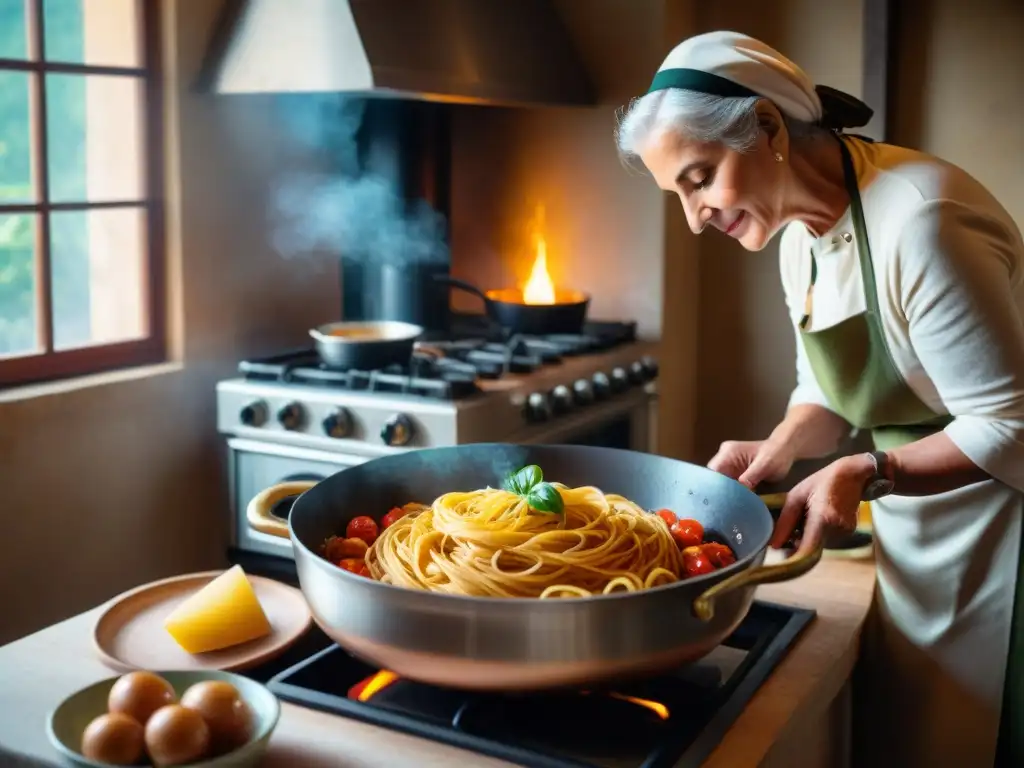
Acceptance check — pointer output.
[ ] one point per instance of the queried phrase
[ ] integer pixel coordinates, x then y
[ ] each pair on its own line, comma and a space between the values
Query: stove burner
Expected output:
448, 367
676, 719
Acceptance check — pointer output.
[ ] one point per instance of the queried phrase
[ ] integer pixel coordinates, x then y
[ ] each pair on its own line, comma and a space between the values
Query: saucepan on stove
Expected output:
508, 308
366, 346
526, 643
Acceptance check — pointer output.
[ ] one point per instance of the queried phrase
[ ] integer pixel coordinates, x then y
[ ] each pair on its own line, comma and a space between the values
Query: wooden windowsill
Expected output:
64, 386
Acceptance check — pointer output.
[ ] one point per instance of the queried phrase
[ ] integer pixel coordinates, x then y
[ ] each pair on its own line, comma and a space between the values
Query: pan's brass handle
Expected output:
791, 568
260, 510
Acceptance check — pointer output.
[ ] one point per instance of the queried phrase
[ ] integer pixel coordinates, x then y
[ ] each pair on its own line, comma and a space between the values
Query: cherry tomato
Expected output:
687, 533
354, 565
338, 548
668, 516
695, 562
395, 514
328, 548
362, 527
719, 554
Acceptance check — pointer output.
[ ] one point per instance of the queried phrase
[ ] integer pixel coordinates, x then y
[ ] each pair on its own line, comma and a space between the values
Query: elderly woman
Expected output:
903, 279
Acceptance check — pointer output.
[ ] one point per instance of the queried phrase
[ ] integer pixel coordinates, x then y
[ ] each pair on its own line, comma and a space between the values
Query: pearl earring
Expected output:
778, 157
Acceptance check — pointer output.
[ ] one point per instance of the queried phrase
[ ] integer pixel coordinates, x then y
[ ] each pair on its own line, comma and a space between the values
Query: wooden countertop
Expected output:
38, 671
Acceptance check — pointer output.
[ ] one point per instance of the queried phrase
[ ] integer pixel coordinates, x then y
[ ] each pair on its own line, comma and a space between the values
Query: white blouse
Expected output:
948, 266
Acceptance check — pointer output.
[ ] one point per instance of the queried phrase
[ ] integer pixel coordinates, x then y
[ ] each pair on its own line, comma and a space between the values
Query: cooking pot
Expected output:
511, 644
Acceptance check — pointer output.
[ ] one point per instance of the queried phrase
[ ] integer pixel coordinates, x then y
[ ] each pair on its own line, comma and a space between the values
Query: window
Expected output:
81, 241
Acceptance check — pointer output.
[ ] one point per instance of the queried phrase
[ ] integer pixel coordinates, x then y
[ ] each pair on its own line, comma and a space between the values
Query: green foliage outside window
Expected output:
65, 137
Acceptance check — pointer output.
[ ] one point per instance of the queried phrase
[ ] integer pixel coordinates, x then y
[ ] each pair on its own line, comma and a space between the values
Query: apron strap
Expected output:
860, 228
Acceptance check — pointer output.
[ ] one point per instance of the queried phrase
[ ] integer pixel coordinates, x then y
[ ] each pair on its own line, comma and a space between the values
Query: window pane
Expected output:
13, 37
18, 307
98, 268
15, 138
98, 32
94, 138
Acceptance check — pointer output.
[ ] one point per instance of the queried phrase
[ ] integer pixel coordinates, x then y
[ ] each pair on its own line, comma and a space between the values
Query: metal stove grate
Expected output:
446, 367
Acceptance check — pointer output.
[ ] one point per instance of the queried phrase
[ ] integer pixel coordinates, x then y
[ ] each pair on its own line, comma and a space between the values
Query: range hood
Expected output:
506, 52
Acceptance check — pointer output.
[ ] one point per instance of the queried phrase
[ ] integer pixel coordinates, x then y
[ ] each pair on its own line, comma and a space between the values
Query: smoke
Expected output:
347, 203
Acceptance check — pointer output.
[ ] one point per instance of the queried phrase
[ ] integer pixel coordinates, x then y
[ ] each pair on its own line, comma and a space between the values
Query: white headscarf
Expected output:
752, 64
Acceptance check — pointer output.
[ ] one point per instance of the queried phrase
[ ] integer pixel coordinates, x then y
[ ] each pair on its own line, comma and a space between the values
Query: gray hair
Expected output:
699, 116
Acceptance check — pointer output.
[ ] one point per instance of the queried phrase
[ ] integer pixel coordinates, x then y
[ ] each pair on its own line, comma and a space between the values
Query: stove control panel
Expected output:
325, 419
562, 399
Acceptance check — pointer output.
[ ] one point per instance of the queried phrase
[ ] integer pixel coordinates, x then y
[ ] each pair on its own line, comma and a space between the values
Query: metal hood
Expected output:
509, 52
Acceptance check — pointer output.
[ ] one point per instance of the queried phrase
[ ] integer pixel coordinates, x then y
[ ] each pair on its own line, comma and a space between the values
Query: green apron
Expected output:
855, 371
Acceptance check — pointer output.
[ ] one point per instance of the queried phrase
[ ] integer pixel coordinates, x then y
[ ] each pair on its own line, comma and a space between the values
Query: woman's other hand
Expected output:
753, 461
827, 501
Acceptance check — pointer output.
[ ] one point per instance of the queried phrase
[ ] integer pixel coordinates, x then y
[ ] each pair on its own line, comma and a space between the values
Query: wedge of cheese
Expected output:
224, 613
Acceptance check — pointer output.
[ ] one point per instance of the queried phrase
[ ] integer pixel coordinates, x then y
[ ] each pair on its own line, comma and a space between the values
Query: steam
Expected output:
348, 203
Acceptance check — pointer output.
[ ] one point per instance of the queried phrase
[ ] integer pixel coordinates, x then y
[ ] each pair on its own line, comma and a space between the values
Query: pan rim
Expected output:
495, 295
391, 330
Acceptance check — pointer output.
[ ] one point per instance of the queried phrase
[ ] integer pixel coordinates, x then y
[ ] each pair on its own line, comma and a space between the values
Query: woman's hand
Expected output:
829, 499
753, 461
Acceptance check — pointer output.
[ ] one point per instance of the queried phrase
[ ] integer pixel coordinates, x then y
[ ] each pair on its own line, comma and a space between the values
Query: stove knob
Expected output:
636, 373
620, 379
650, 366
338, 424
537, 407
602, 385
397, 430
290, 416
561, 399
582, 392
254, 414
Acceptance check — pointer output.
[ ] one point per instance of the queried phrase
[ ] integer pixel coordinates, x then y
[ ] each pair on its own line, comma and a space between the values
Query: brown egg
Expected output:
113, 738
176, 735
225, 711
139, 695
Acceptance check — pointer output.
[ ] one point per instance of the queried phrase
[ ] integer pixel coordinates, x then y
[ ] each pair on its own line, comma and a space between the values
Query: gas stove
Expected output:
467, 386
671, 721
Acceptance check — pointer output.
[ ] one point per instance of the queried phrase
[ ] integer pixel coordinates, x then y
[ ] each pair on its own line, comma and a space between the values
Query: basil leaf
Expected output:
544, 497
522, 481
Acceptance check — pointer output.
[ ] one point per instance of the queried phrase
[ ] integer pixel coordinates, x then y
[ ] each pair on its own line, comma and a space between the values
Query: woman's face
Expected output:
739, 193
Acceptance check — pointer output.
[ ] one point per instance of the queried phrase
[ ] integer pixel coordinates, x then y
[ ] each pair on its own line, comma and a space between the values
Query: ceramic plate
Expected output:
130, 633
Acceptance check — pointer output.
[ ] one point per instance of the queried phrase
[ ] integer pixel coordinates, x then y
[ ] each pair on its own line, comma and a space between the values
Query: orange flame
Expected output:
655, 706
539, 288
374, 684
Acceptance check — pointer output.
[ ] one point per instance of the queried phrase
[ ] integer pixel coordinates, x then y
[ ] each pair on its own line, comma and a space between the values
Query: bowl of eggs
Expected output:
200, 719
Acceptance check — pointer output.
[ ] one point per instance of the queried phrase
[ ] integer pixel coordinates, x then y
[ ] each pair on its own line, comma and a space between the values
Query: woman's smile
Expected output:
732, 228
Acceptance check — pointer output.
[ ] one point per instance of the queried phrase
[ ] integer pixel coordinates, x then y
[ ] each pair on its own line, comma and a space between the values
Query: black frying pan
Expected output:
505, 306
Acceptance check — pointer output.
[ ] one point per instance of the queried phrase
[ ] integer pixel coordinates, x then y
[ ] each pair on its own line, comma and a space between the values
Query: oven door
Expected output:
255, 467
